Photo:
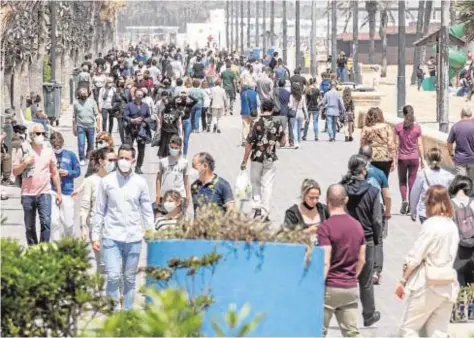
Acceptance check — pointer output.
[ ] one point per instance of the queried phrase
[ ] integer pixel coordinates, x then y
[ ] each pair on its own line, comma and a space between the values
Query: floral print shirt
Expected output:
380, 137
263, 136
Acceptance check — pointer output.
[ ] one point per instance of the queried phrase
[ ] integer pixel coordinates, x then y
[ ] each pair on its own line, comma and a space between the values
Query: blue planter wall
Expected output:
271, 278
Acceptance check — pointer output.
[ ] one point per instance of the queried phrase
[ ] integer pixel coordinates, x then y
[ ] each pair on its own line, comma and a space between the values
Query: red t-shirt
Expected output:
345, 235
408, 141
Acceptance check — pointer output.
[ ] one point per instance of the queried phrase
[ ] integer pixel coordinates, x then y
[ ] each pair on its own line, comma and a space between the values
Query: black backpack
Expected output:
464, 218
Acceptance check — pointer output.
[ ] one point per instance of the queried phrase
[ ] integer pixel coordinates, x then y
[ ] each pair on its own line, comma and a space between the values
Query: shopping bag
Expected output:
243, 187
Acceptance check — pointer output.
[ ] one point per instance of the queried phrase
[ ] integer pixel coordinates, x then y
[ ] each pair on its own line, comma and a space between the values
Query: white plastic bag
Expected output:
243, 187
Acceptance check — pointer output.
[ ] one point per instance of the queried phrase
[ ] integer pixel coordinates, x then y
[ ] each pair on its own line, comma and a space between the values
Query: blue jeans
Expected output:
82, 135
341, 73
419, 82
196, 115
187, 133
30, 204
121, 257
331, 121
296, 126
315, 115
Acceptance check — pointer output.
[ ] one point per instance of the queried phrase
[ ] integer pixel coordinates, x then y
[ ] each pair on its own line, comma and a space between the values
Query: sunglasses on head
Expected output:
39, 133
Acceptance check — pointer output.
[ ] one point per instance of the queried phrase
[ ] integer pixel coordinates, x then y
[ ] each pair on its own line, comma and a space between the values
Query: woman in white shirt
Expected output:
429, 279
103, 162
206, 115
297, 105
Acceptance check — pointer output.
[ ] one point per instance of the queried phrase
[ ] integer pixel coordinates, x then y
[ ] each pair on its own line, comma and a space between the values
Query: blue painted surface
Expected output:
271, 278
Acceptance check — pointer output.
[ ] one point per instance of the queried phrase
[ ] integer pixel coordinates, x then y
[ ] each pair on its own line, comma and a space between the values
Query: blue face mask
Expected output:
174, 152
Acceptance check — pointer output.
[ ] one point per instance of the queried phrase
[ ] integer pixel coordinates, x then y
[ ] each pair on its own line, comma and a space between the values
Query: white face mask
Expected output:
124, 165
38, 140
58, 151
169, 206
109, 167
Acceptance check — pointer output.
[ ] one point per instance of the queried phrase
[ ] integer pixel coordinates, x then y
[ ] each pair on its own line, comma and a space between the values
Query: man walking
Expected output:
62, 215
36, 164
364, 206
260, 146
123, 207
85, 119
134, 117
218, 105
462, 133
265, 86
342, 239
229, 79
334, 107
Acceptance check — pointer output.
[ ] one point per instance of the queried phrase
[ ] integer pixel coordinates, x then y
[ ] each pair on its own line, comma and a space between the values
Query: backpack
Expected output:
464, 218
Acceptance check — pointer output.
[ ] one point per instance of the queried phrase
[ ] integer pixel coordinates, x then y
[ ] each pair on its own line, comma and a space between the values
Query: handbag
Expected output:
253, 112
292, 112
156, 141
439, 275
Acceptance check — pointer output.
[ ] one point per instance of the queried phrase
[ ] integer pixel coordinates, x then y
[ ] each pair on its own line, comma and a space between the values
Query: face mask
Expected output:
307, 206
83, 97
101, 145
109, 167
58, 151
169, 206
174, 152
124, 165
39, 140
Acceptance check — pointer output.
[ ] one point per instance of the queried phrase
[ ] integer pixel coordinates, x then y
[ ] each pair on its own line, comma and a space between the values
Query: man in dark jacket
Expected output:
364, 205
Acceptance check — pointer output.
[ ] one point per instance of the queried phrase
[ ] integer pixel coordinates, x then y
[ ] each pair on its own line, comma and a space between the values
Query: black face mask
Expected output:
308, 207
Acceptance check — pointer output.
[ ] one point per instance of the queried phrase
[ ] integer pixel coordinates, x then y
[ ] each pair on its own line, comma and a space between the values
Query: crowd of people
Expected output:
160, 96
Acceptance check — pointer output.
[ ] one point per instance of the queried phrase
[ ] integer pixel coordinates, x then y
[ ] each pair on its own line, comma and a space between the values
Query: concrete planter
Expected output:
272, 278
363, 101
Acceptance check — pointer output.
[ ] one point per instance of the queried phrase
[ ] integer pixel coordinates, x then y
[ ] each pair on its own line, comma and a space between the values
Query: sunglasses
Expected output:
37, 133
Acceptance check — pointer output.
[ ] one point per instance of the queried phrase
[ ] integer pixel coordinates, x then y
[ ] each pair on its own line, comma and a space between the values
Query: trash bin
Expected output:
6, 119
52, 101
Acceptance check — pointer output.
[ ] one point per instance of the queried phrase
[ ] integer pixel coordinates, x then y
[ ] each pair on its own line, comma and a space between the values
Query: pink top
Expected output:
40, 182
408, 141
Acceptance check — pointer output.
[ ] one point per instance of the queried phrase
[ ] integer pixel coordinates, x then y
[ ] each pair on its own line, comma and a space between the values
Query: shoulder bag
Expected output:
292, 112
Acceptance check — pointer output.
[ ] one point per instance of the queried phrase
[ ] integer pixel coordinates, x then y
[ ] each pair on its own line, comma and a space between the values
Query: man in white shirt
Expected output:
123, 207
218, 104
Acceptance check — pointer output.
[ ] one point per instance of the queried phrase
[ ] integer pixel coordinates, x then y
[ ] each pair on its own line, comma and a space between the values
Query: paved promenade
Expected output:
323, 161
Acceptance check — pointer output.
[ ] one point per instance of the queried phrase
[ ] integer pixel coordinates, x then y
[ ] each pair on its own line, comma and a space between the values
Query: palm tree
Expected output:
257, 26
242, 27
272, 23
227, 18
383, 37
297, 34
442, 92
314, 65
264, 29
285, 34
465, 9
355, 41
333, 35
371, 7
401, 84
248, 24
236, 24
426, 26
419, 32
452, 12
231, 25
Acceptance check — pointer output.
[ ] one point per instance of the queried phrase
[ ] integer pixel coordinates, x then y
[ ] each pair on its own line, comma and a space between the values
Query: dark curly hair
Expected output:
374, 115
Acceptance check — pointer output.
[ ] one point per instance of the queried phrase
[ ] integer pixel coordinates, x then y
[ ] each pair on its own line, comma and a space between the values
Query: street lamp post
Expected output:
401, 85
443, 72
52, 7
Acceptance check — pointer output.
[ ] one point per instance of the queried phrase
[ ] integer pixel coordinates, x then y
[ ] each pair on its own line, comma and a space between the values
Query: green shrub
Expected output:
47, 289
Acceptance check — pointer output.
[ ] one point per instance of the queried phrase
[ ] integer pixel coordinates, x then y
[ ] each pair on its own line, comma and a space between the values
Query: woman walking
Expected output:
170, 121
313, 99
429, 280
433, 175
348, 117
379, 135
198, 94
297, 112
409, 145
103, 163
206, 115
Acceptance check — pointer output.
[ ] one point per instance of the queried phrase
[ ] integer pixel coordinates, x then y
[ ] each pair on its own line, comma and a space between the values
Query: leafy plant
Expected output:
236, 324
47, 288
213, 224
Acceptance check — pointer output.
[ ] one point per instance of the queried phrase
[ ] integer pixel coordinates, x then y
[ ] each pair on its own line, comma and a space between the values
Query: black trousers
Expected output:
366, 286
378, 265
